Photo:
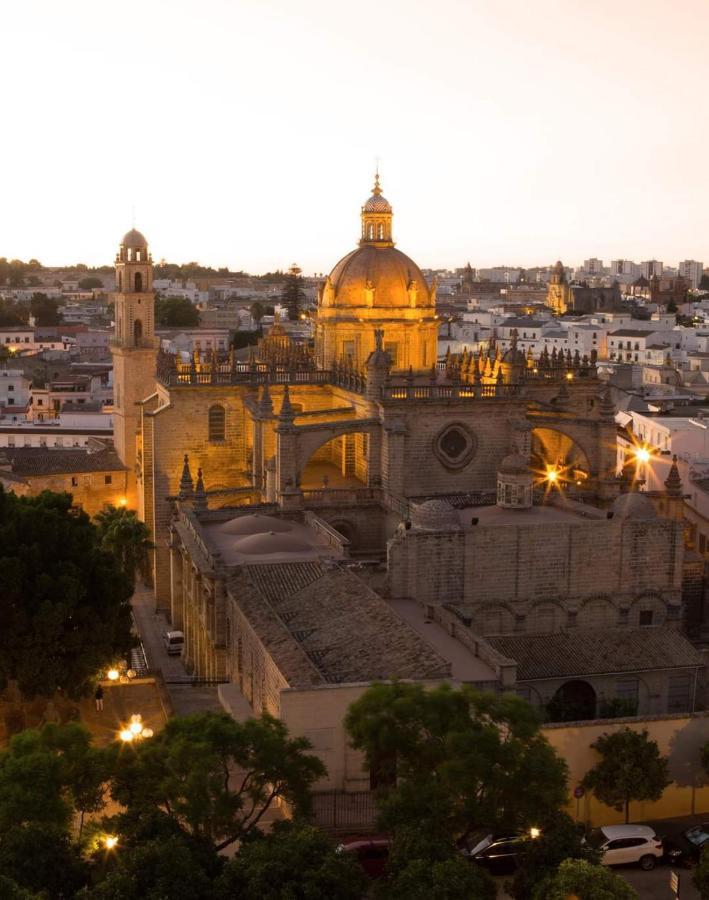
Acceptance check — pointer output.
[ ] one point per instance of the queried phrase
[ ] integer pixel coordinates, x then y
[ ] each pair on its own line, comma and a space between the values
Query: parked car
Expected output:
173, 641
683, 847
627, 844
499, 854
373, 854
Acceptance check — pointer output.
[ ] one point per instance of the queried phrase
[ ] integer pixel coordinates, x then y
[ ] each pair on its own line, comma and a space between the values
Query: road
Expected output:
151, 626
655, 885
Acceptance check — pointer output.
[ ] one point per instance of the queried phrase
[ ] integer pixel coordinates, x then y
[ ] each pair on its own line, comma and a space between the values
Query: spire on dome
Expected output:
376, 190
376, 217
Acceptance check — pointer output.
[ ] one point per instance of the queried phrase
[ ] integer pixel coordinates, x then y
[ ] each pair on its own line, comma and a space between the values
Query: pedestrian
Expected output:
98, 697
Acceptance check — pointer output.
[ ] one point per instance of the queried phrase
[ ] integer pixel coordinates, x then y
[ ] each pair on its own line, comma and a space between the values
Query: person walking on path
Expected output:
98, 697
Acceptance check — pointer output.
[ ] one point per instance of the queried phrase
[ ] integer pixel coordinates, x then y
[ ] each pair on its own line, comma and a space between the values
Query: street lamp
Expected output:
110, 841
552, 475
113, 674
534, 833
135, 730
642, 455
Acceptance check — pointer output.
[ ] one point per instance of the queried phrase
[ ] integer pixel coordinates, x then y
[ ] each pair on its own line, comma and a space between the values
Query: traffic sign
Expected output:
579, 791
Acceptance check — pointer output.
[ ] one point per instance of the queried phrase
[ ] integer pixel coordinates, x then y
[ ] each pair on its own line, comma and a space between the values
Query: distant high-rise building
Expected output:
593, 266
691, 271
651, 267
624, 270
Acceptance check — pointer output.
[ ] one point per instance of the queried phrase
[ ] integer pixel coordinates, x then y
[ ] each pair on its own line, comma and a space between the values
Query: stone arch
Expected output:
598, 611
545, 617
338, 461
137, 332
494, 618
138, 282
649, 608
553, 446
347, 529
574, 701
311, 439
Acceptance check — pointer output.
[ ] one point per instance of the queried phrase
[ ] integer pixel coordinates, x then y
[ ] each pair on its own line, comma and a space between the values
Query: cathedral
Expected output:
358, 509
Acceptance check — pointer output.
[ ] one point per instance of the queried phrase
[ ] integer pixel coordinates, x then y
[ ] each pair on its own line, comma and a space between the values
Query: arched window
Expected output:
217, 423
138, 282
120, 282
371, 232
137, 332
381, 232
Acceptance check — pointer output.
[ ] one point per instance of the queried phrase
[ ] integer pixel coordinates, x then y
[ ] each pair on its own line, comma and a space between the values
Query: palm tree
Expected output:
122, 533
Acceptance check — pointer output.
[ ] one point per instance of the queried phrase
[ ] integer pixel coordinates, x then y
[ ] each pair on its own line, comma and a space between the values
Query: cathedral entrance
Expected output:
575, 701
555, 451
340, 463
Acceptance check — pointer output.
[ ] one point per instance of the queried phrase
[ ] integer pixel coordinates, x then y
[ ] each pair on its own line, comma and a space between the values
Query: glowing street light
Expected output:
135, 730
552, 476
113, 674
642, 455
110, 841
534, 833
126, 735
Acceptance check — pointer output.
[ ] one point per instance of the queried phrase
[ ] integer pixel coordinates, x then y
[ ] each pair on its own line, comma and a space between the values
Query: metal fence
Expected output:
341, 812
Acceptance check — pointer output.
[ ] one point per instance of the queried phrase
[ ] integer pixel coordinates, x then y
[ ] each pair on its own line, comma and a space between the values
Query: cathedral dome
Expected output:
514, 464
134, 240
435, 515
634, 505
256, 524
387, 271
377, 203
271, 542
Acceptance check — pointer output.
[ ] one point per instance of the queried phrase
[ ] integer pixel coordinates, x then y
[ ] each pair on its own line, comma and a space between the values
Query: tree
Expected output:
49, 775
292, 294
701, 874
294, 860
257, 312
185, 772
44, 859
10, 313
121, 533
560, 839
90, 282
631, 768
454, 878
176, 312
586, 881
62, 595
459, 757
44, 309
174, 867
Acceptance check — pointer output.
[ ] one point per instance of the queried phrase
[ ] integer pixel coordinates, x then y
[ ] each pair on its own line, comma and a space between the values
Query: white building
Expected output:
651, 267
15, 392
691, 271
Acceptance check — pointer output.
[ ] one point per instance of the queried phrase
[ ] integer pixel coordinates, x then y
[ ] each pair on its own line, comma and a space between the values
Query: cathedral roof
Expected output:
377, 202
389, 271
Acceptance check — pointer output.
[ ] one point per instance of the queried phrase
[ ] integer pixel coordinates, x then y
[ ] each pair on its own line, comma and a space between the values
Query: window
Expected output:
107, 479
348, 350
393, 351
678, 693
217, 423
74, 481
645, 617
11, 387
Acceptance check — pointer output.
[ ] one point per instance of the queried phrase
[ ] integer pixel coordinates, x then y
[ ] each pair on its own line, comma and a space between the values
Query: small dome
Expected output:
514, 464
255, 524
377, 203
435, 515
634, 505
270, 542
134, 240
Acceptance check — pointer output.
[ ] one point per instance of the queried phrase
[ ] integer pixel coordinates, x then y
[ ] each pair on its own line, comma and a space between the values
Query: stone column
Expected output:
176, 585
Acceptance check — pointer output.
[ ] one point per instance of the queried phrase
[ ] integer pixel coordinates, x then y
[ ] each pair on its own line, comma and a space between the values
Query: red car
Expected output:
372, 853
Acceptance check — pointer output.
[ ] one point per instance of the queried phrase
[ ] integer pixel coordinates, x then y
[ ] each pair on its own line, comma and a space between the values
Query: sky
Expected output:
244, 133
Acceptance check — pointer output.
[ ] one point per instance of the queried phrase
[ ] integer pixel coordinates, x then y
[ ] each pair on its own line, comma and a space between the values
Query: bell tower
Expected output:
133, 347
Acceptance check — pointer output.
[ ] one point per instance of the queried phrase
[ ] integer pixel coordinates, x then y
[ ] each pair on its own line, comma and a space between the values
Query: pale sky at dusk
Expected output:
244, 132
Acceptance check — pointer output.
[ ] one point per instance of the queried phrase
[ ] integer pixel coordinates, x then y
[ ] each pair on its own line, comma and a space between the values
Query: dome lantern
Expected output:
376, 218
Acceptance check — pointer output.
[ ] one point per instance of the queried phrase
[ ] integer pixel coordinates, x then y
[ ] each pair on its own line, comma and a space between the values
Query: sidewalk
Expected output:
185, 698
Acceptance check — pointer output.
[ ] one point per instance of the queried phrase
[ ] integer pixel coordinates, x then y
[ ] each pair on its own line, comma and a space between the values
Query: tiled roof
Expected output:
39, 461
324, 625
597, 651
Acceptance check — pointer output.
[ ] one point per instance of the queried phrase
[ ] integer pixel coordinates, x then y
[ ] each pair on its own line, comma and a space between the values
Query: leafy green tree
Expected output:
559, 839
700, 876
460, 757
44, 309
11, 890
10, 314
90, 282
170, 868
176, 312
257, 312
62, 595
185, 772
630, 768
454, 878
121, 533
43, 858
292, 294
294, 860
584, 880
49, 775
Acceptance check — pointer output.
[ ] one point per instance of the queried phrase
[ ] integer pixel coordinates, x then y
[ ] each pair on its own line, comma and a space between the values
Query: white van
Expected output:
174, 641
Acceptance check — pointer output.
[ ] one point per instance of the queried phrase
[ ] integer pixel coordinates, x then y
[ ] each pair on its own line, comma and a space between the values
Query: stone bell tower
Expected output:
134, 347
